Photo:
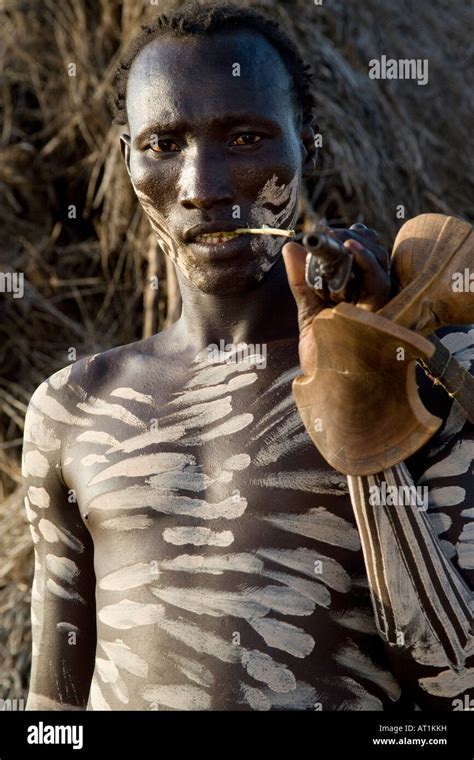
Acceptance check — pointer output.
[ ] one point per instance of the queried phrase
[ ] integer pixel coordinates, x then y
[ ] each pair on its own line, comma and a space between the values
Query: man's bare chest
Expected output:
218, 529
220, 458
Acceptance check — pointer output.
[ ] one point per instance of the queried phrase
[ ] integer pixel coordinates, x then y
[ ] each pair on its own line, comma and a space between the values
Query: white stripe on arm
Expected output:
419, 598
63, 591
418, 541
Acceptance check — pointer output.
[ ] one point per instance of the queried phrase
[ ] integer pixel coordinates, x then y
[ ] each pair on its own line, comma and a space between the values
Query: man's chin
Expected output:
229, 277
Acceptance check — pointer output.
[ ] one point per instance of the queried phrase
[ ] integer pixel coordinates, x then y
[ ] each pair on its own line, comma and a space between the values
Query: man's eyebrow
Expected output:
238, 117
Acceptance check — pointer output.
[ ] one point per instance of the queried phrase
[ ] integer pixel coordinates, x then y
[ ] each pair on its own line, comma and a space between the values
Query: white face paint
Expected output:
285, 199
275, 206
157, 222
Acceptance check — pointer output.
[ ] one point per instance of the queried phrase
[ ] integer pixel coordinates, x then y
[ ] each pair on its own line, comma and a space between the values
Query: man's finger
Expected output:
376, 284
365, 231
364, 257
366, 239
294, 256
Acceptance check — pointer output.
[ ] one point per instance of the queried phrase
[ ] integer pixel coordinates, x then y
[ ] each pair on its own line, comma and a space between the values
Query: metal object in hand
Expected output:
329, 268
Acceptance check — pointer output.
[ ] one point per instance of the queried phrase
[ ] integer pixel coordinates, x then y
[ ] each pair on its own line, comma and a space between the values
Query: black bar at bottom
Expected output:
157, 734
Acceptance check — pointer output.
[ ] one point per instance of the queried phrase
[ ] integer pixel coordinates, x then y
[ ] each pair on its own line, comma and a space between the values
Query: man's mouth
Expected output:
215, 238
220, 245
211, 233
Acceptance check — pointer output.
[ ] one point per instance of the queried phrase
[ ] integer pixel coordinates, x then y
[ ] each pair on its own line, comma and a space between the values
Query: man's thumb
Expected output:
307, 300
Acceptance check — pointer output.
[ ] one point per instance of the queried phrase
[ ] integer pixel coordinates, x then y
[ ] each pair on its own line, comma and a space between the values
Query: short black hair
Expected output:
192, 20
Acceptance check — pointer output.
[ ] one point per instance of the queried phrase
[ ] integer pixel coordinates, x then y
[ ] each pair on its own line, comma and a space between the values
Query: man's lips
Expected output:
222, 240
210, 232
215, 238
214, 246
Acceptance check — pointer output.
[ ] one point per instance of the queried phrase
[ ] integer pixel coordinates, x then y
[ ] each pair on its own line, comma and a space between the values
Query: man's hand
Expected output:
373, 262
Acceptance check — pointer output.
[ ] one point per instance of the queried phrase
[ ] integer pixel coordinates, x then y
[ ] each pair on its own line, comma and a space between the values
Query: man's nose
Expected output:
205, 181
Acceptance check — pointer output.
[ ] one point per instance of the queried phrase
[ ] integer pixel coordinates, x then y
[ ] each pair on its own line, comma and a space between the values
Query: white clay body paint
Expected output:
319, 524
124, 658
198, 537
53, 534
132, 395
138, 522
178, 697
63, 567
35, 464
284, 197
39, 434
210, 604
39, 497
128, 577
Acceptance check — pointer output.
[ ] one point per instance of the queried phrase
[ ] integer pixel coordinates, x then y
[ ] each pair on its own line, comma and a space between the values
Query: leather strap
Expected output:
446, 371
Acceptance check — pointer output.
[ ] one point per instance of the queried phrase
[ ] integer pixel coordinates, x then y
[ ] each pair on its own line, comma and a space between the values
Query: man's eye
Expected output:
164, 146
247, 138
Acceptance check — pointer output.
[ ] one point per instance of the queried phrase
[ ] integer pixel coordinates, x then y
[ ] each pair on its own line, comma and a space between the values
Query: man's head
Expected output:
219, 111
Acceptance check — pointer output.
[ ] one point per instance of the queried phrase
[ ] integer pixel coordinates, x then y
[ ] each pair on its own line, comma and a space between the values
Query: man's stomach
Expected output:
279, 643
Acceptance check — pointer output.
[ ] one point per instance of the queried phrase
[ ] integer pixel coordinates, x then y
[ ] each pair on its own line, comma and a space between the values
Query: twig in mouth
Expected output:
265, 231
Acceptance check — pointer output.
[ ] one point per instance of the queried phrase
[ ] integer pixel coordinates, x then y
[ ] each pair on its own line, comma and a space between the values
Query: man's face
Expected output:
209, 147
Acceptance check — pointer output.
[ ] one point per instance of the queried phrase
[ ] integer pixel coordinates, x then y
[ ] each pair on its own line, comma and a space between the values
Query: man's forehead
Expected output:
234, 71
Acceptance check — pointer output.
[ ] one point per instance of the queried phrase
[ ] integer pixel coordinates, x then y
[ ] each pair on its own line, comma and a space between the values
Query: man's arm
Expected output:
420, 562
63, 592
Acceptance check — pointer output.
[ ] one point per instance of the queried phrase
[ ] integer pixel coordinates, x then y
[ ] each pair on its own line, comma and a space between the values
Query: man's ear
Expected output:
125, 150
309, 130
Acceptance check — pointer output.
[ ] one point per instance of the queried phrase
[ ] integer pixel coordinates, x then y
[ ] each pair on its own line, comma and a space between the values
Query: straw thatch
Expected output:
386, 143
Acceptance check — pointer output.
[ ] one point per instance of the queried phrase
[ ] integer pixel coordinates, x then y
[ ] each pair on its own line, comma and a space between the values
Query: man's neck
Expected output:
264, 314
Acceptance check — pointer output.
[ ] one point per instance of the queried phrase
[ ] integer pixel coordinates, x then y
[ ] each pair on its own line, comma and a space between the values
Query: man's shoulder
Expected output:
102, 378
89, 376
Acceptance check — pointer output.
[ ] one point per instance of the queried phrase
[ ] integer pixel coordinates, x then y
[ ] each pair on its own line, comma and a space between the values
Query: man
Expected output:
193, 549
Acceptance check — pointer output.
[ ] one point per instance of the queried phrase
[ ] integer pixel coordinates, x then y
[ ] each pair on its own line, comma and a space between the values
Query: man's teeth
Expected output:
215, 238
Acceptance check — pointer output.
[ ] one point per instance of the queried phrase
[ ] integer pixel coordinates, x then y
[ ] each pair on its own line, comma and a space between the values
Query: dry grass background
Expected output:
385, 143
